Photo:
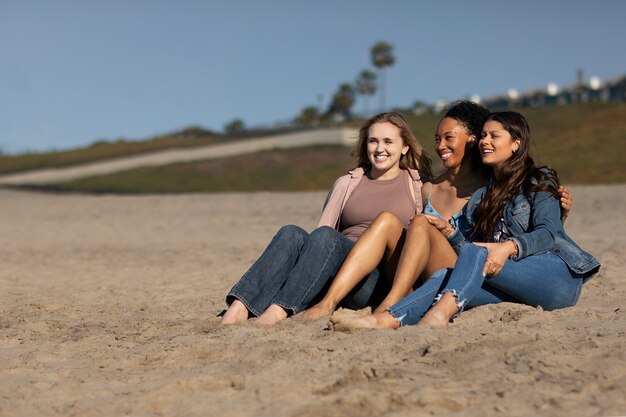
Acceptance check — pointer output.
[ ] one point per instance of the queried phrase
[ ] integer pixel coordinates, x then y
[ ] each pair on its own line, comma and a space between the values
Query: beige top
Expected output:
370, 198
343, 187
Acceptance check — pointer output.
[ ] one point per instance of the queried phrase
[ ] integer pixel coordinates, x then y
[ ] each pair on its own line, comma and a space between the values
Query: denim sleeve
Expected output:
545, 222
457, 240
461, 235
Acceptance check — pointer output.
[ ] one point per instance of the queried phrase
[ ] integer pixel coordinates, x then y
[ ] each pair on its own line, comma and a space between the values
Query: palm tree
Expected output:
365, 86
382, 56
343, 100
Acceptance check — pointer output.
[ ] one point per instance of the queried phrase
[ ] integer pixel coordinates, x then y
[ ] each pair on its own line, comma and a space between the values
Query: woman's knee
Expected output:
418, 222
386, 220
291, 233
325, 240
324, 234
564, 297
326, 246
419, 226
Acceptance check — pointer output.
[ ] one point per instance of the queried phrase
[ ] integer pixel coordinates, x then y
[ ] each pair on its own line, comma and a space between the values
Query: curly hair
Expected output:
415, 158
472, 117
519, 172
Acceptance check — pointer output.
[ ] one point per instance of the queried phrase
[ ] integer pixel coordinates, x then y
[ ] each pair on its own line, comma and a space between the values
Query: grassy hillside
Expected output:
584, 143
191, 137
311, 168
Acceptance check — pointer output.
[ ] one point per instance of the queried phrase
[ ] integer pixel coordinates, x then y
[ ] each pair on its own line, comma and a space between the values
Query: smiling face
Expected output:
385, 147
496, 145
451, 141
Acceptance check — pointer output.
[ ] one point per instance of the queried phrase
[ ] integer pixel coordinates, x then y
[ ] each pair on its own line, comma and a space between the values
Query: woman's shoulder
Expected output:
356, 173
426, 187
544, 175
477, 195
415, 175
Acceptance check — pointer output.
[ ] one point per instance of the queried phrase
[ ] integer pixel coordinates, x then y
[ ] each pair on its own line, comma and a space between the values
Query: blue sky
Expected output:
73, 72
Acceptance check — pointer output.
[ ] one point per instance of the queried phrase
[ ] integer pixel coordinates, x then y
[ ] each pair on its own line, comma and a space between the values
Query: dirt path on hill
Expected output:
55, 175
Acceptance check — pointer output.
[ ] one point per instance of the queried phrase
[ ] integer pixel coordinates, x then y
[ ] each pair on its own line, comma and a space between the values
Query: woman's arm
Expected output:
454, 235
545, 221
497, 254
334, 202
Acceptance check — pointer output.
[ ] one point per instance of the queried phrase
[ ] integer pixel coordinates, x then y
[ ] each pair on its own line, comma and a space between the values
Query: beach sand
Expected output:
108, 308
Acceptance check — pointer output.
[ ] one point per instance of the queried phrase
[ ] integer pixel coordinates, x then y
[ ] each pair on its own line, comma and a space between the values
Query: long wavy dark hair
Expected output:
519, 172
415, 158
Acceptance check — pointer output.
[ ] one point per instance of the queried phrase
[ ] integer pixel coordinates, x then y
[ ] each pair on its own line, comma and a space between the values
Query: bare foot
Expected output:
319, 311
383, 307
382, 320
271, 316
236, 313
434, 318
440, 314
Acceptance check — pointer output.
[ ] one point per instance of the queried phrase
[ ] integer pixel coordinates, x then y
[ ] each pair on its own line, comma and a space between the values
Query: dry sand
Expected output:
109, 303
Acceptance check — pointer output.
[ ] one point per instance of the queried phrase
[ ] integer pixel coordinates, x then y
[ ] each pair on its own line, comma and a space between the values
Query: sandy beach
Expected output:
108, 308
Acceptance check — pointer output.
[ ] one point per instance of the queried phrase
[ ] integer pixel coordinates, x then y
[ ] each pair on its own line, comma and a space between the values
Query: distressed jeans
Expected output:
537, 280
296, 268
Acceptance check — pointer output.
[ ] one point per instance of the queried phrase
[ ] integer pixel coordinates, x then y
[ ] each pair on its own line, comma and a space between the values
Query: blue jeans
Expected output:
296, 268
537, 280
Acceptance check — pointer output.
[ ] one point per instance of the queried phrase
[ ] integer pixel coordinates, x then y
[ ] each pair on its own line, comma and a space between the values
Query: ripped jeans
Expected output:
537, 280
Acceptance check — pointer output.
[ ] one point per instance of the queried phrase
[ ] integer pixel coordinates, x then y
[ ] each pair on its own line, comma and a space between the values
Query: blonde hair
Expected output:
415, 158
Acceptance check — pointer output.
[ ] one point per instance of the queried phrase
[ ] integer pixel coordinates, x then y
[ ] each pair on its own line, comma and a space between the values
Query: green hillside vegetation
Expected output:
584, 143
102, 150
311, 168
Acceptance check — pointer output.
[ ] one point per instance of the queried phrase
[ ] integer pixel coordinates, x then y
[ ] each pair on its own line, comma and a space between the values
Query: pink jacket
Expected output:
343, 187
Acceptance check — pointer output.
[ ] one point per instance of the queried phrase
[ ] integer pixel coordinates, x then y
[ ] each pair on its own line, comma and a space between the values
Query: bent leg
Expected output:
320, 259
258, 286
412, 308
406, 312
425, 251
379, 239
464, 283
538, 280
489, 295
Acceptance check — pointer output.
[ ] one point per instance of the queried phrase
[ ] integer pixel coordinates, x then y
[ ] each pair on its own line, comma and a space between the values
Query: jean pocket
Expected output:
521, 215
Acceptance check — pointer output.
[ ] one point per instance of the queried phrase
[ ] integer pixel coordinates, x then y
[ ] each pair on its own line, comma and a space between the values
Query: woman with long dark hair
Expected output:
520, 253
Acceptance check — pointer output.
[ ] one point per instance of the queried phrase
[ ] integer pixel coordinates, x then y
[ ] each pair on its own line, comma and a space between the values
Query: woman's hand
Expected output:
443, 226
497, 255
567, 200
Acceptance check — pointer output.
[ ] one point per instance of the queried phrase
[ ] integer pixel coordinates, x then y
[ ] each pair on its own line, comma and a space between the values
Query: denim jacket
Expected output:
535, 224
